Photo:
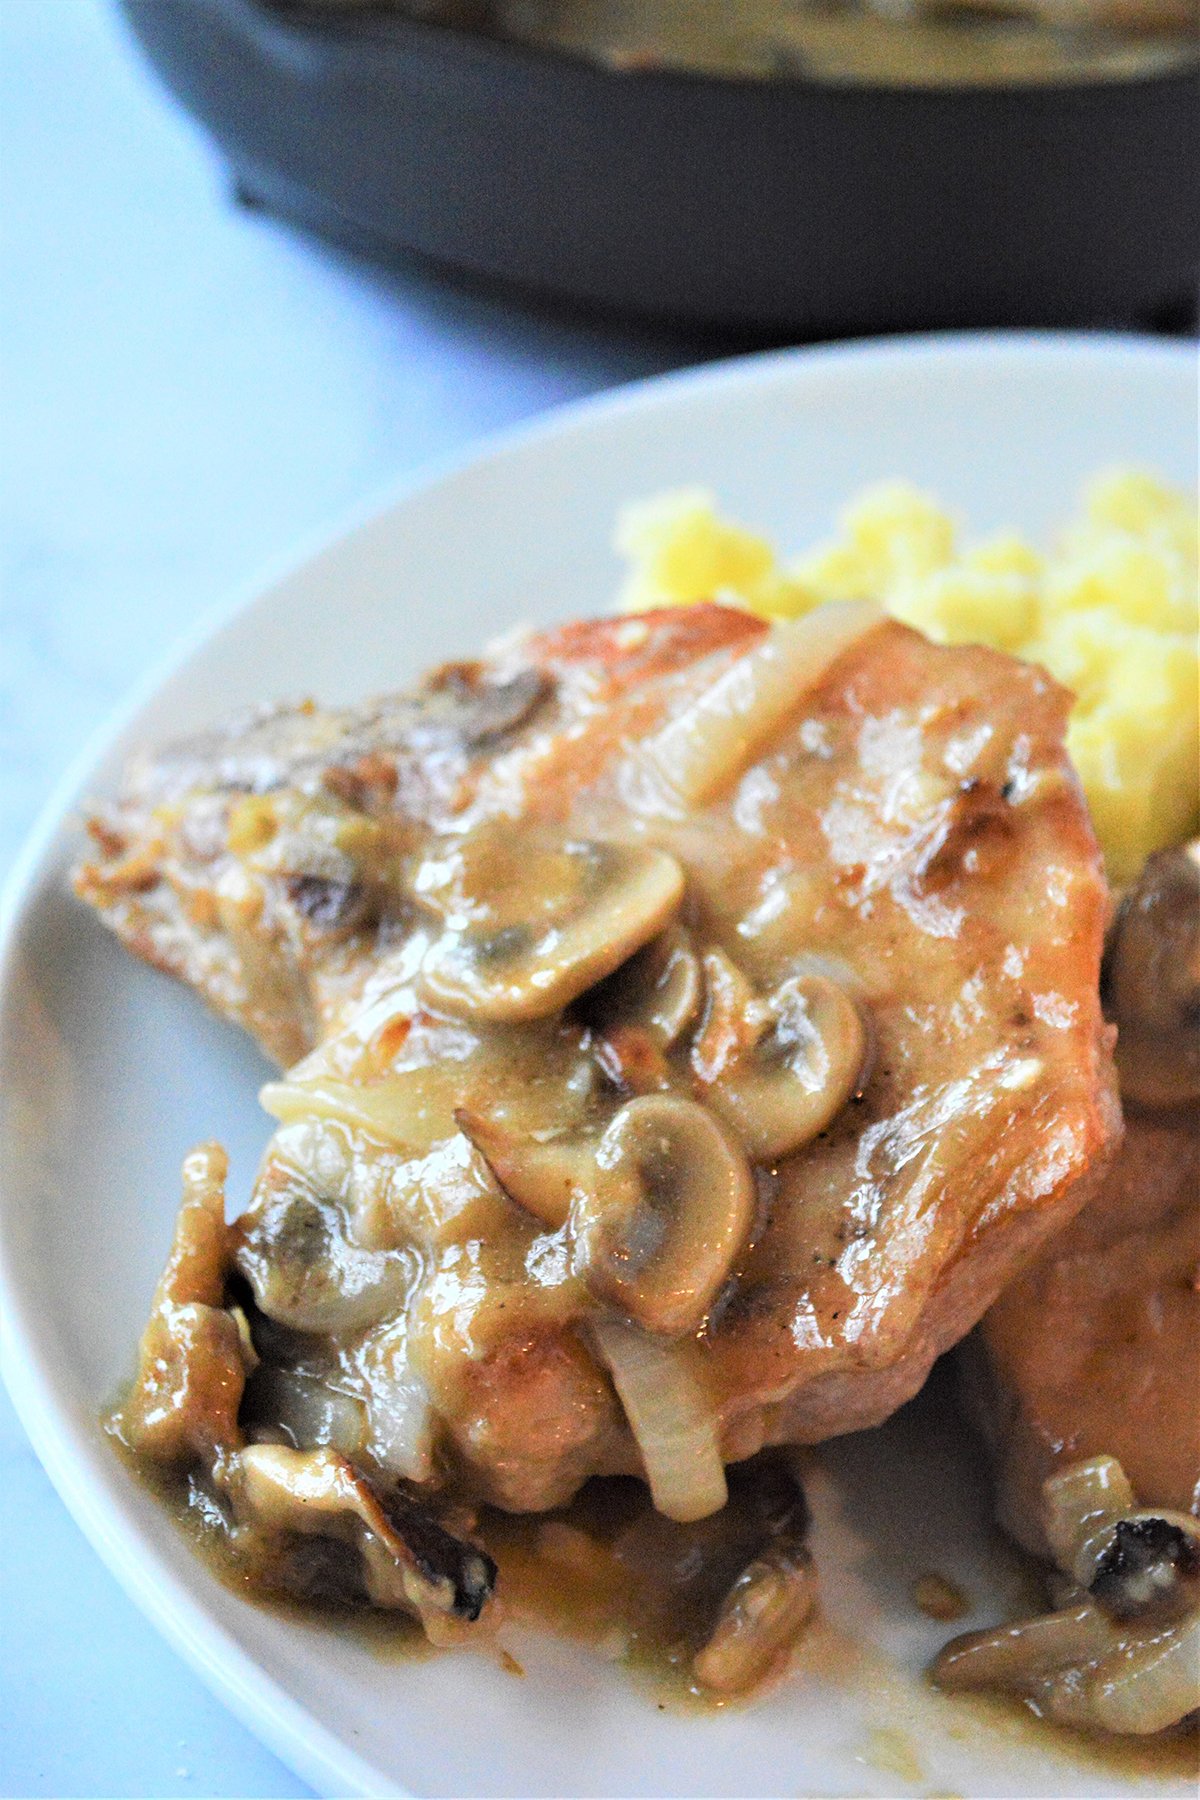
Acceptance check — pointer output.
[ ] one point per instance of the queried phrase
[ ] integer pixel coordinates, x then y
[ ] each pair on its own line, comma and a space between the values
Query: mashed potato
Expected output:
1112, 612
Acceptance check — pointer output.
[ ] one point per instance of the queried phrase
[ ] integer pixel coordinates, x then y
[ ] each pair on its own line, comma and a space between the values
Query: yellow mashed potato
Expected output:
1111, 611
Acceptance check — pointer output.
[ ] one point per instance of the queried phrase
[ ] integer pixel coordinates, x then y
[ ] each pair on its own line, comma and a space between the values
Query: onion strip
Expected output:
404, 1110
710, 742
670, 1419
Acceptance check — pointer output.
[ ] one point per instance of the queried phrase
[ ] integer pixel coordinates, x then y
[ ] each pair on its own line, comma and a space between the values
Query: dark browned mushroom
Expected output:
1123, 1652
409, 1558
1151, 981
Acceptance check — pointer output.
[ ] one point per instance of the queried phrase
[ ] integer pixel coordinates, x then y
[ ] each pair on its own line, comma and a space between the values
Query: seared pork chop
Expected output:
700, 1025
1095, 1349
1085, 1374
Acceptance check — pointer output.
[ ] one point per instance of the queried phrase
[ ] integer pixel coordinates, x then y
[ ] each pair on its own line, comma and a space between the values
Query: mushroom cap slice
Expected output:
1124, 1654
668, 1209
643, 1010
554, 923
1152, 980
659, 990
774, 1592
409, 1558
769, 1603
787, 1065
294, 1247
539, 1176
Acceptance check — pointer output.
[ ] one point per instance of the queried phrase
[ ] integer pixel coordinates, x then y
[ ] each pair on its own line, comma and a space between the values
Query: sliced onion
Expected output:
672, 1422
709, 744
401, 1422
410, 1110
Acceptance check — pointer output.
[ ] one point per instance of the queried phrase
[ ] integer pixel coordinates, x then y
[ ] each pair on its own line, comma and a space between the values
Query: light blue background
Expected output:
187, 392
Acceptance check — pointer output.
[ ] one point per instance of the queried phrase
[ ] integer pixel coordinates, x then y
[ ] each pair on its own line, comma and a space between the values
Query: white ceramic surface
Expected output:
108, 1073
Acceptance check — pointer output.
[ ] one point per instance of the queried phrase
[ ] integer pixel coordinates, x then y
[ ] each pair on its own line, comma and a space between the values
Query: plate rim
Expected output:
61, 1441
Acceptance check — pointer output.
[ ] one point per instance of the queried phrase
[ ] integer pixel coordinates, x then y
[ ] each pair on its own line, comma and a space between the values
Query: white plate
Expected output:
108, 1073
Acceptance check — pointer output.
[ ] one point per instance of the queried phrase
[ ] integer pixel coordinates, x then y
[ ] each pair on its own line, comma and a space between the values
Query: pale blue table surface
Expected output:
187, 392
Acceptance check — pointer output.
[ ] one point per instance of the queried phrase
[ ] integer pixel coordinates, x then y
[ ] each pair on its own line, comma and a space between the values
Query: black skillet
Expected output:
783, 207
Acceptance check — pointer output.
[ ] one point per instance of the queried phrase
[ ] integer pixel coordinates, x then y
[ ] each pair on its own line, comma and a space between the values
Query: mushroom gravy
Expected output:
690, 1025
561, 1574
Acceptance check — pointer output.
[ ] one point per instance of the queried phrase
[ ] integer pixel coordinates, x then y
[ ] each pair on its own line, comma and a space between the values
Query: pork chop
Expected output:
1094, 1351
699, 1025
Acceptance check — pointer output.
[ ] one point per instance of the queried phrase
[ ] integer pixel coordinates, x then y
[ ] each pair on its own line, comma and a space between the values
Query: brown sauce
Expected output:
1170, 1755
609, 1574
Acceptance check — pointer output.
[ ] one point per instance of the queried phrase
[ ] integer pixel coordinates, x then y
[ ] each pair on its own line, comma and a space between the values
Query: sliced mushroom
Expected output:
778, 1069
331, 907
530, 928
479, 711
289, 1406
1083, 1668
769, 1603
659, 1205
184, 1409
772, 1598
409, 1558
182, 1406
659, 990
294, 1248
1124, 1654
198, 1265
540, 1175
660, 1225
639, 1013
1151, 981
734, 1017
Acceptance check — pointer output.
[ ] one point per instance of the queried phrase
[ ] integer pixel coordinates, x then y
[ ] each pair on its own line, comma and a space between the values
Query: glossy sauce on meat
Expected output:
877, 860
914, 831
